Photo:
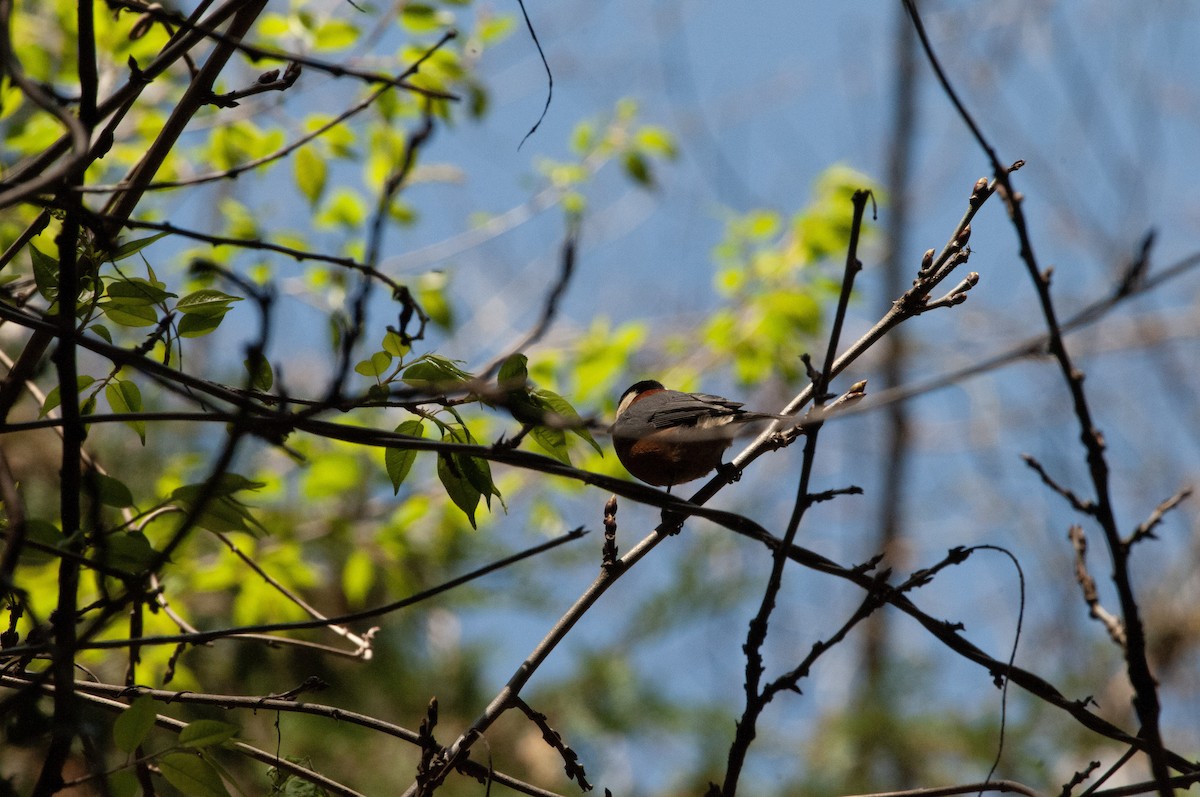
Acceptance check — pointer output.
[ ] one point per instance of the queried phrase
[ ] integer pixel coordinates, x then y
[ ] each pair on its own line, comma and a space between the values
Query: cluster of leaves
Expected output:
768, 275
636, 147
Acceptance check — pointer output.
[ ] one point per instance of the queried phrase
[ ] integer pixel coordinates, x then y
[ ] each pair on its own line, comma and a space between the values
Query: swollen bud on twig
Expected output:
926, 262
979, 193
961, 239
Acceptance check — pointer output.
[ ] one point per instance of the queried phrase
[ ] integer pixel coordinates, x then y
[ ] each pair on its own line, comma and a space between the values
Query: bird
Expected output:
667, 437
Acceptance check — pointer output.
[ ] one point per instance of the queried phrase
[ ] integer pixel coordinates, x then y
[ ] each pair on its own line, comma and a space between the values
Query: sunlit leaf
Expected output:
358, 576
656, 141
206, 302
310, 174
553, 442
375, 365
335, 34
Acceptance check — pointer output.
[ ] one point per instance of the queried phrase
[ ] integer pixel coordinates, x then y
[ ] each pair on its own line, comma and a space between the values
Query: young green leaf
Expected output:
192, 775
44, 532
207, 302
129, 314
561, 407
129, 551
225, 484
134, 724
514, 373
398, 461
132, 291
113, 492
196, 326
553, 442
125, 396
261, 376
358, 576
434, 372
133, 247
310, 174
394, 344
376, 365
458, 487
45, 274
54, 397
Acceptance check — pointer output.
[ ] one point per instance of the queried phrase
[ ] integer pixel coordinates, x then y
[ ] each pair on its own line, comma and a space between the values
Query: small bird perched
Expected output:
665, 437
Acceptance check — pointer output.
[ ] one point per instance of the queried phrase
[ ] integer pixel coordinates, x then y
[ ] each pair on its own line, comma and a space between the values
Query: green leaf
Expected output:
133, 247
45, 274
224, 485
475, 470
44, 532
458, 487
431, 293
207, 302
422, 18
514, 373
638, 169
125, 396
226, 514
195, 326
129, 315
553, 442
358, 576
113, 492
129, 551
435, 373
134, 291
656, 141
376, 365
206, 733
223, 512
394, 344
123, 784
561, 407
344, 209
399, 461
192, 775
54, 397
310, 174
335, 34
134, 724
259, 367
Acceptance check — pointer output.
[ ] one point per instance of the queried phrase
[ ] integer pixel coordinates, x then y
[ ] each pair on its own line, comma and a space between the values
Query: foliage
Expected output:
257, 436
